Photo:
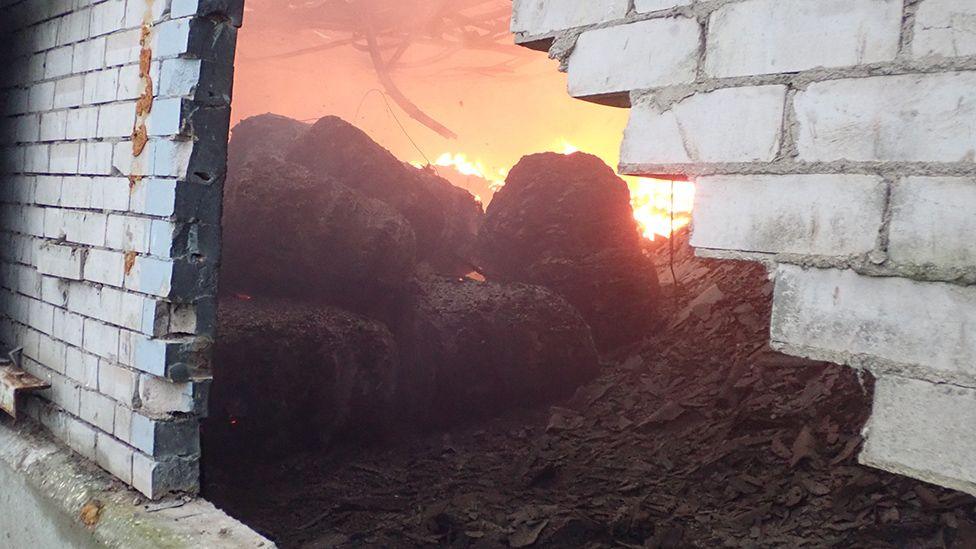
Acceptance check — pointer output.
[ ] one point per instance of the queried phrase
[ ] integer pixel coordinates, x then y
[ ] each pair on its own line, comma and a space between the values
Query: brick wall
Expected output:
114, 116
834, 140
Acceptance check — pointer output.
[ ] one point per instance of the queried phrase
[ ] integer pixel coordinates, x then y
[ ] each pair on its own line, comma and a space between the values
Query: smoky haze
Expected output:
447, 71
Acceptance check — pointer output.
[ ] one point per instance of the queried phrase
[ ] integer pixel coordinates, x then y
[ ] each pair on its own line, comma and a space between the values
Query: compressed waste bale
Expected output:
565, 222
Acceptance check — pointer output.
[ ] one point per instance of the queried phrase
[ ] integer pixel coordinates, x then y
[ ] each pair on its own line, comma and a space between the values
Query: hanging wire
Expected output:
389, 110
674, 277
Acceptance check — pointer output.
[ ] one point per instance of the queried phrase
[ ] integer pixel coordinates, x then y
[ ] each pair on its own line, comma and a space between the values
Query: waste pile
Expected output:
329, 242
704, 437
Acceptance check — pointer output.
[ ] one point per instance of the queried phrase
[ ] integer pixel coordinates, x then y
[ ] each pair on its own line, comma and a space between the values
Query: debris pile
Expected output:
321, 221
565, 222
706, 438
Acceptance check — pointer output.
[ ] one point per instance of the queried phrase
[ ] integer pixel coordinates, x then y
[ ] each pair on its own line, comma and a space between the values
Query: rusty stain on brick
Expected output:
139, 139
140, 136
133, 181
130, 261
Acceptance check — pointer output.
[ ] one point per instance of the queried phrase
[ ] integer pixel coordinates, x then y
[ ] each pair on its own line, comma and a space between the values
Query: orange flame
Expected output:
650, 198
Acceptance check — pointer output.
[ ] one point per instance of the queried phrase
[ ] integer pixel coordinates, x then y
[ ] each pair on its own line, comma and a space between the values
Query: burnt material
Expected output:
565, 222
445, 218
261, 136
293, 376
478, 348
289, 234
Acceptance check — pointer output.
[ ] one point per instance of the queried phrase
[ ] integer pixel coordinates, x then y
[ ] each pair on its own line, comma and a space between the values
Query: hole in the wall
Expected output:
397, 365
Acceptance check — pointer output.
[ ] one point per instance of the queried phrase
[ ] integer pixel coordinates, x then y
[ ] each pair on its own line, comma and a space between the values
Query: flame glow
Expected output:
650, 198
461, 163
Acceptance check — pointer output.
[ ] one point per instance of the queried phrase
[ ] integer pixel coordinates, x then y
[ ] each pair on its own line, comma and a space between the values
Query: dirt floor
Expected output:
703, 437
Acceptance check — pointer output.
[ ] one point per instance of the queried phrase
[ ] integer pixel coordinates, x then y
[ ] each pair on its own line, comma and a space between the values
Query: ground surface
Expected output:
701, 438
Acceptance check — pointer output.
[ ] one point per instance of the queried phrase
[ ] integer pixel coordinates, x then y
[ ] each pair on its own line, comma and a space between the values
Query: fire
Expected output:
653, 206
461, 163
650, 198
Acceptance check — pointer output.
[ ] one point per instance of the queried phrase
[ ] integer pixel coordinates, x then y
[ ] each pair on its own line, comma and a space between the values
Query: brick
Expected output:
150, 275
84, 228
945, 27
81, 437
41, 97
107, 17
647, 54
60, 261
171, 38
127, 233
122, 48
58, 62
645, 6
154, 196
928, 217
53, 125
47, 190
81, 123
110, 193
165, 118
178, 77
901, 118
162, 396
64, 157
116, 120
876, 322
117, 382
89, 56
98, 410
74, 27
101, 86
829, 215
773, 36
923, 430
64, 392
76, 192
95, 159
68, 327
101, 339
537, 17
158, 438
82, 368
105, 267
69, 92
157, 478
115, 457
728, 125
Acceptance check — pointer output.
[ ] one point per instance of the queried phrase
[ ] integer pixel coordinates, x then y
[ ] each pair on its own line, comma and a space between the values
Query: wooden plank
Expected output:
14, 381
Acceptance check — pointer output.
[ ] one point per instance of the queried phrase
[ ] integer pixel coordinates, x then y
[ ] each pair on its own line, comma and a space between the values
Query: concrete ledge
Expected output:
50, 497
923, 430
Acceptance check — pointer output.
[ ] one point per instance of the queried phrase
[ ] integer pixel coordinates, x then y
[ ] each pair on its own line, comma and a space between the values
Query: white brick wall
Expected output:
87, 256
835, 138
907, 118
792, 214
929, 216
770, 36
537, 17
924, 430
946, 28
647, 54
889, 324
727, 125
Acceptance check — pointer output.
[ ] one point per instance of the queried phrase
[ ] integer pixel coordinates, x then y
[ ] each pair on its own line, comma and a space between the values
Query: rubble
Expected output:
445, 218
479, 348
565, 222
293, 376
706, 439
262, 136
287, 233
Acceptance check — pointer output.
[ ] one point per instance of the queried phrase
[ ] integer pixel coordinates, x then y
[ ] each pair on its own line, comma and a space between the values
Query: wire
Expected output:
677, 285
389, 109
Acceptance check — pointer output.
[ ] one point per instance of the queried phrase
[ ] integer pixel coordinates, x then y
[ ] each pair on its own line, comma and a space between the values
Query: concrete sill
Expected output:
51, 497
